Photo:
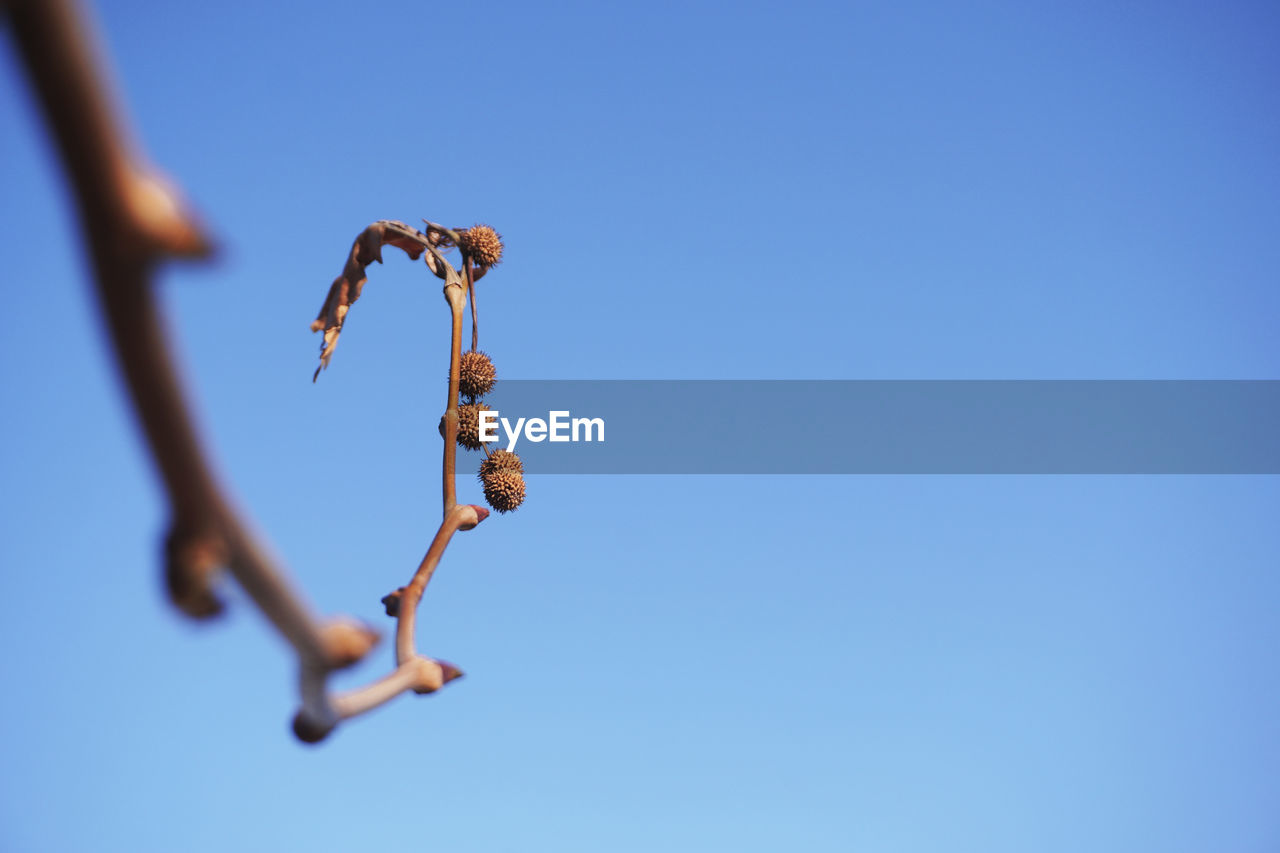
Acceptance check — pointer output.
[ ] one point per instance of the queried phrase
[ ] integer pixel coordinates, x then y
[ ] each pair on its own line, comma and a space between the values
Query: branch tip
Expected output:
310, 730
449, 671
430, 675
481, 514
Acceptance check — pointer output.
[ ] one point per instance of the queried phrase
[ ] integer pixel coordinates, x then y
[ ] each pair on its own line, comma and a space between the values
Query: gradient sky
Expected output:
697, 190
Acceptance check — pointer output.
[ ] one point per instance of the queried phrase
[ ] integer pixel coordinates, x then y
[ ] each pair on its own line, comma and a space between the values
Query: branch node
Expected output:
347, 641
193, 562
432, 674
391, 602
162, 218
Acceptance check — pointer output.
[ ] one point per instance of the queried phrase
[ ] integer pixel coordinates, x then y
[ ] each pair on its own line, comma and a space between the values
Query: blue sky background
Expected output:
693, 190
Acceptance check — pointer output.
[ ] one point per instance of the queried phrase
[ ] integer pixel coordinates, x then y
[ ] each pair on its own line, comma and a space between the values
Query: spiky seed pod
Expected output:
477, 374
500, 460
468, 425
482, 244
504, 490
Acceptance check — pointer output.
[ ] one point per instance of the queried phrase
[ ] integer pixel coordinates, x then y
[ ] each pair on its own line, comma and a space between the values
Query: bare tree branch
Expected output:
133, 219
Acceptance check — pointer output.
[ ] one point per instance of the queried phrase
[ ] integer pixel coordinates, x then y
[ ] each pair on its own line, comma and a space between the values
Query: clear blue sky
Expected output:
691, 190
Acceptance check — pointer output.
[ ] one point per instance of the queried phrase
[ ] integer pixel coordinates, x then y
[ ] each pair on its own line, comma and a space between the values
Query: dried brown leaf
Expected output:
346, 288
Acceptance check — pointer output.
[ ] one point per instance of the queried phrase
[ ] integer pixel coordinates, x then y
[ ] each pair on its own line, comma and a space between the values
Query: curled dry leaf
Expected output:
346, 288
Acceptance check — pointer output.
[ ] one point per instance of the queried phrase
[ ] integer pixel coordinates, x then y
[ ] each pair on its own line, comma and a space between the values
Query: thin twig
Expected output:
462, 517
475, 319
453, 293
421, 675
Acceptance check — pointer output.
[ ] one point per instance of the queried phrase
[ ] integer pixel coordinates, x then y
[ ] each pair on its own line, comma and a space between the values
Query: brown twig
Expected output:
460, 518
453, 292
475, 318
421, 675
413, 671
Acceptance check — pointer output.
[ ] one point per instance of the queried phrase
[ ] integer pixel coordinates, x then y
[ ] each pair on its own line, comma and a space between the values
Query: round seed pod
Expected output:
482, 244
477, 374
468, 425
504, 490
500, 460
